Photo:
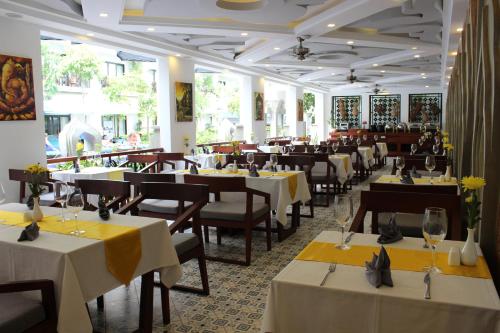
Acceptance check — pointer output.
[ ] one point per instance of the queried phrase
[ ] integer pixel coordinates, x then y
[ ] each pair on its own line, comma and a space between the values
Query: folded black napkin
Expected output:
103, 209
194, 170
218, 165
205, 150
389, 233
253, 171
378, 271
30, 233
406, 179
414, 173
192, 151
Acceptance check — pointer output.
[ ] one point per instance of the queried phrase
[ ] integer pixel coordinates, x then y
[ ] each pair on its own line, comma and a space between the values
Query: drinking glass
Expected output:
375, 137
316, 149
3, 197
430, 165
400, 164
351, 137
342, 213
250, 159
358, 142
435, 149
420, 142
284, 150
414, 148
335, 147
75, 204
434, 228
60, 192
365, 137
437, 140
292, 148
274, 162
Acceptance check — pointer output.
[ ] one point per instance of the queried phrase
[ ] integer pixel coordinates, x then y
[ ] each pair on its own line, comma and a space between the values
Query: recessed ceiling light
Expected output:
320, 67
331, 25
103, 14
382, 71
177, 55
454, 53
151, 29
422, 73
451, 67
449, 77
424, 77
267, 65
350, 42
333, 73
375, 65
460, 29
244, 34
414, 48
277, 48
250, 59
427, 86
90, 34
416, 56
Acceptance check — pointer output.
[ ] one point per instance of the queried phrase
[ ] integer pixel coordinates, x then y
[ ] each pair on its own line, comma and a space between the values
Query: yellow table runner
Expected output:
345, 159
115, 175
418, 181
401, 259
292, 176
122, 244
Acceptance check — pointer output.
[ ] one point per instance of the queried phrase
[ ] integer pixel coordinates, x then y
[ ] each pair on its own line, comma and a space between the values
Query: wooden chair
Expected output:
171, 159
233, 215
142, 162
188, 245
247, 146
165, 209
25, 314
419, 162
223, 149
46, 199
407, 202
116, 192
241, 161
438, 189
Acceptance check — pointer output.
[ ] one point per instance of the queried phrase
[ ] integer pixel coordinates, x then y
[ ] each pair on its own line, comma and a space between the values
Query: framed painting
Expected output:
259, 105
184, 101
300, 110
425, 108
346, 112
17, 94
385, 109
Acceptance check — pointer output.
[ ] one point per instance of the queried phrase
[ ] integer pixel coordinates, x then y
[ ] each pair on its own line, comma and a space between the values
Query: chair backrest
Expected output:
407, 202
218, 184
117, 189
304, 162
247, 146
143, 162
136, 179
23, 177
261, 159
171, 158
438, 189
419, 163
223, 149
239, 159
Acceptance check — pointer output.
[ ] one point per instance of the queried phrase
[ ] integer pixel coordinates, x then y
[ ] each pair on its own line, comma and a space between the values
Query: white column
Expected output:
251, 85
327, 114
172, 132
319, 114
295, 128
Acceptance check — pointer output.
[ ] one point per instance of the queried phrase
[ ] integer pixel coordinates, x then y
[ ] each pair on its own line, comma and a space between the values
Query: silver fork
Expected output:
427, 282
331, 269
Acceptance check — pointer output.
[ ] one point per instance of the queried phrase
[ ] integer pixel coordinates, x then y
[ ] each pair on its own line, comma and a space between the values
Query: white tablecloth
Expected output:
270, 149
78, 265
367, 157
276, 186
348, 303
90, 173
206, 161
382, 148
342, 173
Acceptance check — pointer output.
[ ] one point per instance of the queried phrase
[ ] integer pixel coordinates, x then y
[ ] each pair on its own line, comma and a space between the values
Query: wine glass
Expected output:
273, 159
316, 149
375, 137
284, 150
358, 142
250, 159
342, 213
434, 228
437, 140
430, 165
351, 138
3, 197
400, 164
60, 192
420, 142
435, 149
413, 148
292, 148
335, 147
75, 204
365, 137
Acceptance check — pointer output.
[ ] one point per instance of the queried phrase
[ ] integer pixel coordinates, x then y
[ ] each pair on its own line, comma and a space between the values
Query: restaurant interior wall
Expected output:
22, 142
255, 130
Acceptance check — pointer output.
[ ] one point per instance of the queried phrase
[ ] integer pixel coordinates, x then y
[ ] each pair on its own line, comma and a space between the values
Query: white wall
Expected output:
22, 142
250, 85
365, 101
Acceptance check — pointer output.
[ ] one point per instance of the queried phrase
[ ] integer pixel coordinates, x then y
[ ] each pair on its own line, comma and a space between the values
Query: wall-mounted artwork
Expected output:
259, 105
300, 110
184, 101
17, 94
346, 110
425, 108
385, 109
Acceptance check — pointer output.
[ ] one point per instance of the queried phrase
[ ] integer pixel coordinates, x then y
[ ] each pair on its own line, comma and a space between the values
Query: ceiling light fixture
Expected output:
331, 25
277, 48
382, 71
350, 42
177, 55
151, 29
375, 65
90, 34
103, 15
244, 34
416, 56
414, 48
333, 73
267, 65
449, 77
451, 67
320, 67
250, 60
454, 53
422, 73
460, 29
427, 86
424, 77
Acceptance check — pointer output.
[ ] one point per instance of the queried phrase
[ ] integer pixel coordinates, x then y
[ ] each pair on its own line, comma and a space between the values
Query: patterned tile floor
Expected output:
237, 294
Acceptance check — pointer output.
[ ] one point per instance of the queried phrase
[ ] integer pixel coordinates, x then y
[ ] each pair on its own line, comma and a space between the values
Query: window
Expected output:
114, 125
114, 69
55, 123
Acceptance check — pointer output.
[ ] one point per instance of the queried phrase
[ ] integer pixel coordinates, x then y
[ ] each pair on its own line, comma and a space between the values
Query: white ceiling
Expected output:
392, 43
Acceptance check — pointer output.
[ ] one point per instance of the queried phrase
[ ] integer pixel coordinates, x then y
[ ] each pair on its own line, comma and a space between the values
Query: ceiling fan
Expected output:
378, 90
300, 51
353, 78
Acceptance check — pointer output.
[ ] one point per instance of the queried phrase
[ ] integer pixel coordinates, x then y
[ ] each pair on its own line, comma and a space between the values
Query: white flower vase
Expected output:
448, 175
37, 212
468, 254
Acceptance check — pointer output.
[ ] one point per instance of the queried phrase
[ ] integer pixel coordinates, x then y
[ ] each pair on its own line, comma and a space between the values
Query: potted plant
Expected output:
37, 175
471, 185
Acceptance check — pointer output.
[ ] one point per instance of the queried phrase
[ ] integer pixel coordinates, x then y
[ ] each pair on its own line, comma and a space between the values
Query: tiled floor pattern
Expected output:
237, 293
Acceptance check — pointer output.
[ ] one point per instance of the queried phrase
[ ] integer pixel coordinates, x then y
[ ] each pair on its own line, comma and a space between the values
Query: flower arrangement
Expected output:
236, 148
37, 175
79, 148
470, 186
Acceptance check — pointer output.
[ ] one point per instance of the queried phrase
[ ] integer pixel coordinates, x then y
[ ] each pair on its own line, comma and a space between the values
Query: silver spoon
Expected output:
331, 269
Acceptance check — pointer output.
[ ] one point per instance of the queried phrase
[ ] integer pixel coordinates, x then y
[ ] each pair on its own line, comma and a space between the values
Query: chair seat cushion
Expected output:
19, 312
161, 206
232, 211
183, 242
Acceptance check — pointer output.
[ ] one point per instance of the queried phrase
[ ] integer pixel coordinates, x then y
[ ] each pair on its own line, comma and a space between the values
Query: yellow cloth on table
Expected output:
417, 181
115, 175
122, 244
292, 180
345, 159
401, 259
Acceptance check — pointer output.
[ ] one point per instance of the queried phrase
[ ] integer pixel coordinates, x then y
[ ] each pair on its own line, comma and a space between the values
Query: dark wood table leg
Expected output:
146, 306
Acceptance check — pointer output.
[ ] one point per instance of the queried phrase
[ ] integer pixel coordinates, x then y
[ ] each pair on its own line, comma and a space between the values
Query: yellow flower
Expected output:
36, 169
468, 199
445, 134
448, 146
79, 146
472, 183
445, 139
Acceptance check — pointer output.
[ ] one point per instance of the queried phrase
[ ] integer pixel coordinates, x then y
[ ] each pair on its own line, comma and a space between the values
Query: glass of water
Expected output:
434, 228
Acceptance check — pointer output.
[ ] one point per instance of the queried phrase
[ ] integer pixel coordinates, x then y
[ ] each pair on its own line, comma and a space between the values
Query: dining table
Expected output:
462, 298
109, 254
382, 148
111, 173
367, 157
343, 167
